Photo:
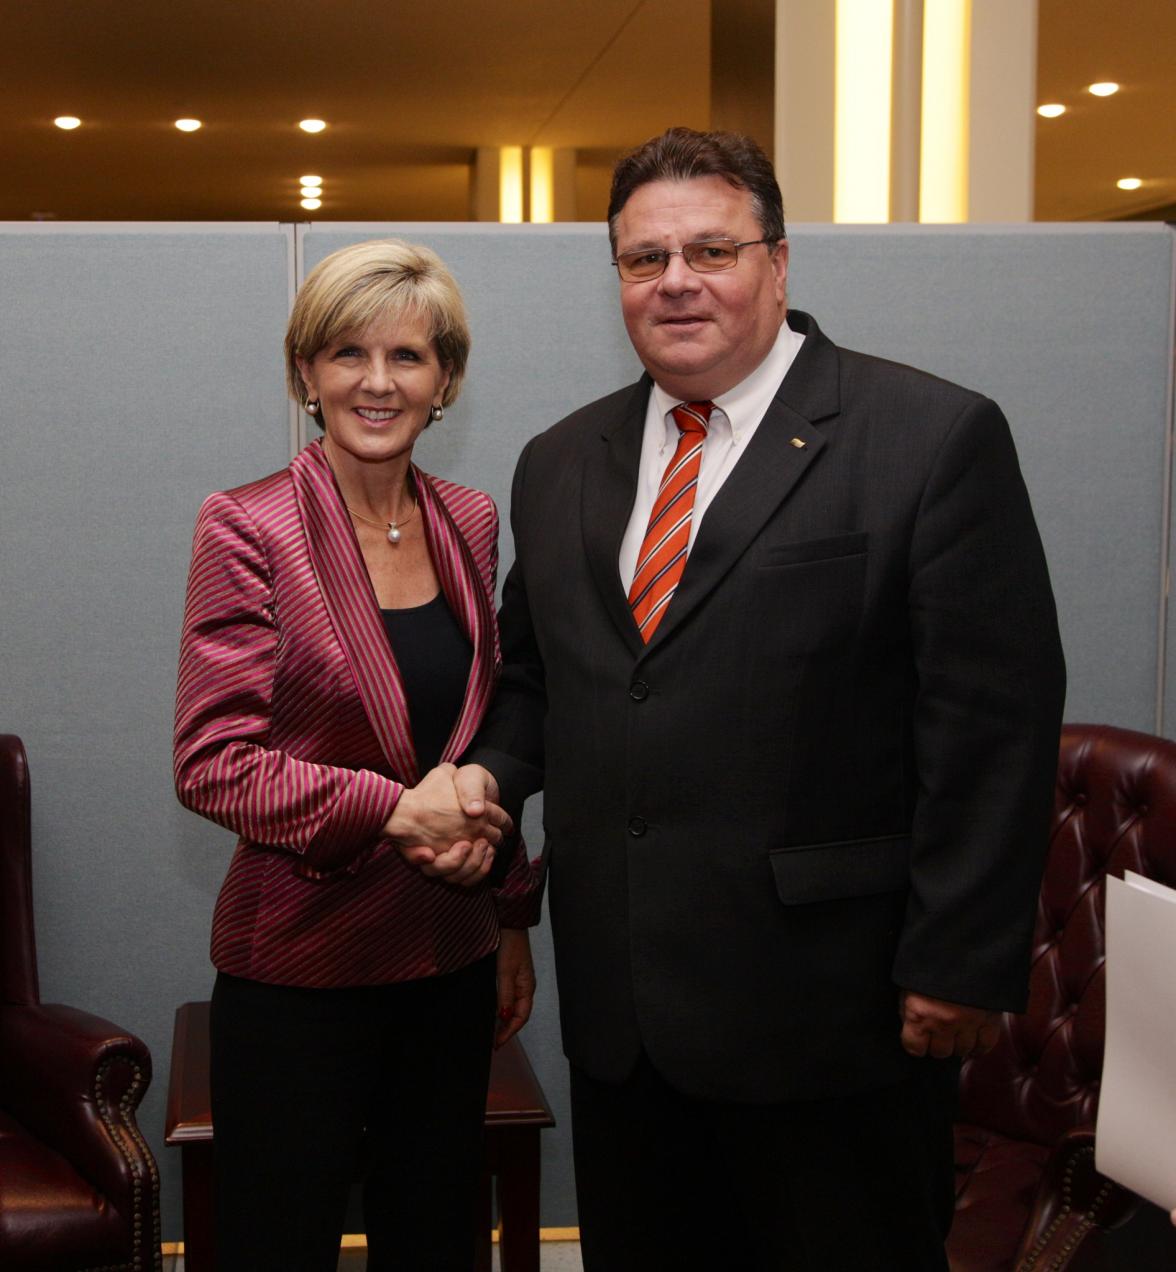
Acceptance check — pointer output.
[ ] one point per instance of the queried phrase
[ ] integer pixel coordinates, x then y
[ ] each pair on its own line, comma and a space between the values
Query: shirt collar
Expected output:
739, 411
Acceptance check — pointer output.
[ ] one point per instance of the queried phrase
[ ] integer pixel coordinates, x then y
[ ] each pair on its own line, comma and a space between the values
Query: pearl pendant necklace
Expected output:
393, 527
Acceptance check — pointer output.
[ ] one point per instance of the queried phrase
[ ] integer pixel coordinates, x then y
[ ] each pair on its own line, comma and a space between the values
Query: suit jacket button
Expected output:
637, 826
638, 691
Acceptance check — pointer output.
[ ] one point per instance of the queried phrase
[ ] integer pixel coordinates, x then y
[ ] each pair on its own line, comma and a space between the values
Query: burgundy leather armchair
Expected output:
1027, 1194
78, 1185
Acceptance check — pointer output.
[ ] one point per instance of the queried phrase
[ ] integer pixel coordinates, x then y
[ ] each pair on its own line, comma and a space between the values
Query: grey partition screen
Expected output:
141, 369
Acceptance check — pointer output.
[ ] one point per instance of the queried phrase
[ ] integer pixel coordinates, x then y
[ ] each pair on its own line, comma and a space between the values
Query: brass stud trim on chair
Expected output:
126, 1107
1085, 1221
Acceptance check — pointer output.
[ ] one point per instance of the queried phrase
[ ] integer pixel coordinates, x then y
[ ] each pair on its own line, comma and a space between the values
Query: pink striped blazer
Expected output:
292, 730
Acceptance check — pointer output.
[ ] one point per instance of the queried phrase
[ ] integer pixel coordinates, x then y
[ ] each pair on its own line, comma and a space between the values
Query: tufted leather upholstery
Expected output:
1027, 1193
78, 1185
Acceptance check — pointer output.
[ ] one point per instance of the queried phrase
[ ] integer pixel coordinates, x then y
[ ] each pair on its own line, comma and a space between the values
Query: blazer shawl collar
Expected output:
462, 584
351, 604
762, 479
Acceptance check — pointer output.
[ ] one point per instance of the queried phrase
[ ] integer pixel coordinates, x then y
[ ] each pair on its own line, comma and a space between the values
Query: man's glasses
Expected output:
711, 256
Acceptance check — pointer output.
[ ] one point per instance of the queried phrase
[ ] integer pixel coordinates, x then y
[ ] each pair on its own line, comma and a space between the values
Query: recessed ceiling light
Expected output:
311, 191
312, 125
1105, 88
68, 122
312, 204
188, 125
310, 181
1051, 110
1129, 183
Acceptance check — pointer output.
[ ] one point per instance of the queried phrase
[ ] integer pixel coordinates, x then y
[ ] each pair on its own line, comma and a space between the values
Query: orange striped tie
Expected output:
663, 550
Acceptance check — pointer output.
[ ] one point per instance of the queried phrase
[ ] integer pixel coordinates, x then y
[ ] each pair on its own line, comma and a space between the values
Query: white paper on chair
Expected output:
1135, 1141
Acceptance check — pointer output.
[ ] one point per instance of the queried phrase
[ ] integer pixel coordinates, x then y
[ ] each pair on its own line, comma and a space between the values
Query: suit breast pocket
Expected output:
810, 593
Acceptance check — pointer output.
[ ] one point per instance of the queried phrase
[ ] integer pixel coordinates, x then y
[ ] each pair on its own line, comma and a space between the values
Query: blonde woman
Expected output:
338, 653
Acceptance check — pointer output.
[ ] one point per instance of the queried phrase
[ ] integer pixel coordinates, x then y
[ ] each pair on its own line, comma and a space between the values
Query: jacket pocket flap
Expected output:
813, 550
851, 868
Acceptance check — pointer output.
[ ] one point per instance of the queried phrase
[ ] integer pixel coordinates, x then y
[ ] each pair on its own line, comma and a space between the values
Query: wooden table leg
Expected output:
196, 1168
518, 1199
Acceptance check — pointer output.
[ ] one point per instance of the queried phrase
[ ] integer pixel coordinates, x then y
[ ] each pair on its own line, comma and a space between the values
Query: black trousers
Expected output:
301, 1076
857, 1184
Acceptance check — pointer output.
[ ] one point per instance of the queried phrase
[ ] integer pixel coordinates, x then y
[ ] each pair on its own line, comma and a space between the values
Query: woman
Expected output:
339, 650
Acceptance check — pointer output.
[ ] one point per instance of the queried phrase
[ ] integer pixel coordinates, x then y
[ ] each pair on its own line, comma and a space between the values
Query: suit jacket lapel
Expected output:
466, 595
765, 475
354, 612
607, 495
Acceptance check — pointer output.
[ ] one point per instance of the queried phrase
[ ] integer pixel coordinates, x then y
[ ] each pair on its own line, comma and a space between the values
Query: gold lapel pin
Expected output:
798, 443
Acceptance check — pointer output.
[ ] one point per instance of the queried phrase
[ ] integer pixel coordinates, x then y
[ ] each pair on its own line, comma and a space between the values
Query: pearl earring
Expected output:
436, 412
312, 408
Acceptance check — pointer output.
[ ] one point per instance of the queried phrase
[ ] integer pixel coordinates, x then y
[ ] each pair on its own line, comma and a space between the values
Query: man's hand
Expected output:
516, 983
475, 786
932, 1027
434, 834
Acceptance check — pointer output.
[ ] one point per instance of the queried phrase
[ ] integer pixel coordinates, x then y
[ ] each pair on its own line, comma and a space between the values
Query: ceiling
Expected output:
1081, 154
410, 91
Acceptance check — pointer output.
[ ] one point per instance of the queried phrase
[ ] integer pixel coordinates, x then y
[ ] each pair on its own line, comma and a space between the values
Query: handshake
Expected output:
449, 824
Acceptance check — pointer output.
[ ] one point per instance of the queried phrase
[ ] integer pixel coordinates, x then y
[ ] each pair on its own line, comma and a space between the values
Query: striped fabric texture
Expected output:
662, 557
292, 730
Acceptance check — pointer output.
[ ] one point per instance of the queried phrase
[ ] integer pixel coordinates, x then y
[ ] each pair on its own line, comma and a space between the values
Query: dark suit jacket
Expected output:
829, 773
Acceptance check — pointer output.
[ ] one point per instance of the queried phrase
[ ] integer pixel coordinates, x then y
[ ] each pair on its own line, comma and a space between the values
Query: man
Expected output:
781, 651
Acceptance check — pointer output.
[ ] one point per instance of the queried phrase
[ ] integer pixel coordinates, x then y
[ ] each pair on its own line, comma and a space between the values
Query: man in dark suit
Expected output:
781, 651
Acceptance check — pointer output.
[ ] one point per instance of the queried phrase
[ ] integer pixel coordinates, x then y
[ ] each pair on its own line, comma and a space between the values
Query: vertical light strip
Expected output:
510, 185
943, 165
863, 43
542, 184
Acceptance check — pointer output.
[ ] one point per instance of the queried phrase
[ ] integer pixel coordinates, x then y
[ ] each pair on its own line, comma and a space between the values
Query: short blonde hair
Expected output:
385, 279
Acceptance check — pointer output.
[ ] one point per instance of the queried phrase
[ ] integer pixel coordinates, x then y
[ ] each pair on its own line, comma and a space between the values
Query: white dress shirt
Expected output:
733, 422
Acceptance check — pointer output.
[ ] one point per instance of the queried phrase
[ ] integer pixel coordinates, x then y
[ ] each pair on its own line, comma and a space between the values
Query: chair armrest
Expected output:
1073, 1200
74, 1081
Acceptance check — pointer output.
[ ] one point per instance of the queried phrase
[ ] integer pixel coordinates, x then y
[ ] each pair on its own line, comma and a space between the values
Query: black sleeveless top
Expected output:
434, 656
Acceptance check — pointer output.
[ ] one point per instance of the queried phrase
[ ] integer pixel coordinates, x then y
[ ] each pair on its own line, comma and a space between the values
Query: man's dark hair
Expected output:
680, 154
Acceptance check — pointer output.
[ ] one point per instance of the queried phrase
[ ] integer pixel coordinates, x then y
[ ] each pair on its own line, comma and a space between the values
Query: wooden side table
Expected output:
516, 1111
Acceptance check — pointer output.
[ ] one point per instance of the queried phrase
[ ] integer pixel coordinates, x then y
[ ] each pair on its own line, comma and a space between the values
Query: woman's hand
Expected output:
516, 983
435, 835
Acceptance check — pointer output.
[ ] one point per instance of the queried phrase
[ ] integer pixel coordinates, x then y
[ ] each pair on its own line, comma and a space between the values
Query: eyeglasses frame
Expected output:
681, 251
